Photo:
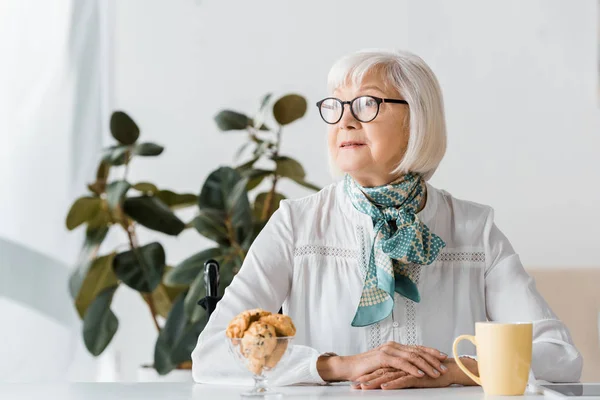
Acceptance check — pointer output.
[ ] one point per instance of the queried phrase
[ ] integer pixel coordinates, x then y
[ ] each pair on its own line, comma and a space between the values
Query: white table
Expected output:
180, 391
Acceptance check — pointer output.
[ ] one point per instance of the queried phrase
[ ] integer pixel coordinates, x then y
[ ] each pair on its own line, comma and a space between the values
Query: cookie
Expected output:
242, 321
237, 327
255, 365
259, 340
256, 314
282, 323
279, 351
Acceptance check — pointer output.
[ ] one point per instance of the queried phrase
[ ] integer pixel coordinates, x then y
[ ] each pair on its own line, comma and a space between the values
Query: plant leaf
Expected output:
99, 323
240, 151
99, 277
256, 176
262, 147
257, 226
145, 187
197, 291
153, 214
220, 192
229, 265
99, 186
182, 350
142, 268
102, 217
177, 339
259, 204
246, 166
211, 224
117, 155
217, 187
148, 149
162, 303
115, 193
187, 270
83, 210
289, 108
175, 200
265, 100
93, 239
289, 168
123, 128
257, 123
307, 185
228, 120
164, 295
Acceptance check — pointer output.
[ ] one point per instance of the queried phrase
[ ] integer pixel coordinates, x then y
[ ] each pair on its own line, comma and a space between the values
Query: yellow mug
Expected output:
503, 357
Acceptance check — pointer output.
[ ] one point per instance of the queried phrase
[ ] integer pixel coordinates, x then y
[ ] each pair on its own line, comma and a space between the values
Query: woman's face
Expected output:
370, 151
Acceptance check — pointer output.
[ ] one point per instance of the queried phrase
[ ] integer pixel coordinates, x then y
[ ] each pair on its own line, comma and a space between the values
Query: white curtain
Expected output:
54, 102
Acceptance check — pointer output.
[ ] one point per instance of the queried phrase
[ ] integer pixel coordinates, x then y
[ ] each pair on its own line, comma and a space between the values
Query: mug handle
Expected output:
464, 369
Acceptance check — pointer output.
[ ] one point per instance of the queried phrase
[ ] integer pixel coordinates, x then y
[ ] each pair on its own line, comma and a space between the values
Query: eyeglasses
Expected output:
363, 108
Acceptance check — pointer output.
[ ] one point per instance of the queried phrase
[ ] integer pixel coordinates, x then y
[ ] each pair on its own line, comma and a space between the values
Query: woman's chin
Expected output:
351, 165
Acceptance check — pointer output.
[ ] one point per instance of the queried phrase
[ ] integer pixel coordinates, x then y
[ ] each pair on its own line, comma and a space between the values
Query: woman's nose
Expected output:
348, 121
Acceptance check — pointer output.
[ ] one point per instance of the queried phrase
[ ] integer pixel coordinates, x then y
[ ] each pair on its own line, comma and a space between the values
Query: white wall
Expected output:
51, 83
520, 85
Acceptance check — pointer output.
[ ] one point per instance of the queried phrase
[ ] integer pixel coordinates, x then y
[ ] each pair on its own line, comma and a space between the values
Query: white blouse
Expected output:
312, 256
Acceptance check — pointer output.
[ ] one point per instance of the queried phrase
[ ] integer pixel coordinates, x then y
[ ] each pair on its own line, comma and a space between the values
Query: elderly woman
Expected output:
382, 271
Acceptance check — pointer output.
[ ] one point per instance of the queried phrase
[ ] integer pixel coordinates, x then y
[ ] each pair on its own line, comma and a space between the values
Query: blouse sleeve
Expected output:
263, 281
511, 295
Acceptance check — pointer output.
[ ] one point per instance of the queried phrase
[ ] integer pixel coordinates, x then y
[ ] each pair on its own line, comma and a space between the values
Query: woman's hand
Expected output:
417, 361
390, 378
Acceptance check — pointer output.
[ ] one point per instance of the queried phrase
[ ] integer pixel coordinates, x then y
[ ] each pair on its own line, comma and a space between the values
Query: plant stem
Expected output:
278, 146
133, 245
268, 207
126, 171
150, 301
232, 238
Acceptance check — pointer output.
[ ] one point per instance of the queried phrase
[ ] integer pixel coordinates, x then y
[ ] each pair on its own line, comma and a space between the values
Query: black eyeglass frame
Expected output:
378, 100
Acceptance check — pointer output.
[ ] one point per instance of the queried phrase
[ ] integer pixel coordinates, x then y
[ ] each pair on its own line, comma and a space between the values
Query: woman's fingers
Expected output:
421, 349
373, 375
409, 361
435, 362
432, 352
384, 378
403, 382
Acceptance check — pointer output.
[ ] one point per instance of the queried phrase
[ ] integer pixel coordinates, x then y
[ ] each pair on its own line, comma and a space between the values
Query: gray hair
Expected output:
413, 79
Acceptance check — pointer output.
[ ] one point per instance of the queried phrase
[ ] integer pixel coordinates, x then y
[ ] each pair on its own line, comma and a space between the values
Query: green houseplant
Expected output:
225, 215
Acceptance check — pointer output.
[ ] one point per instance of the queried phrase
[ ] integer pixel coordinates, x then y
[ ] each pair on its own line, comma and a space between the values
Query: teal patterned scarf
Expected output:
400, 240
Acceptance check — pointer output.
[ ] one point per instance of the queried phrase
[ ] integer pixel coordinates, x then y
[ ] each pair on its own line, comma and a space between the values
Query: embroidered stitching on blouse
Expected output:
374, 329
478, 256
374, 336
325, 251
411, 313
363, 262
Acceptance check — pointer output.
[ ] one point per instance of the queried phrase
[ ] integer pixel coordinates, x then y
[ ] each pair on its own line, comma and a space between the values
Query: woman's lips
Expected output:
351, 145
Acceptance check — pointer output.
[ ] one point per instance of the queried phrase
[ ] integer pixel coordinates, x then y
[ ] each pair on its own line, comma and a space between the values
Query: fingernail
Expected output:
384, 385
367, 383
436, 372
421, 372
443, 354
443, 367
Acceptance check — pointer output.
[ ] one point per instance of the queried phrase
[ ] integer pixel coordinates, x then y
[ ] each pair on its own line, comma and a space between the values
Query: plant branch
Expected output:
150, 301
232, 238
278, 143
133, 244
268, 207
